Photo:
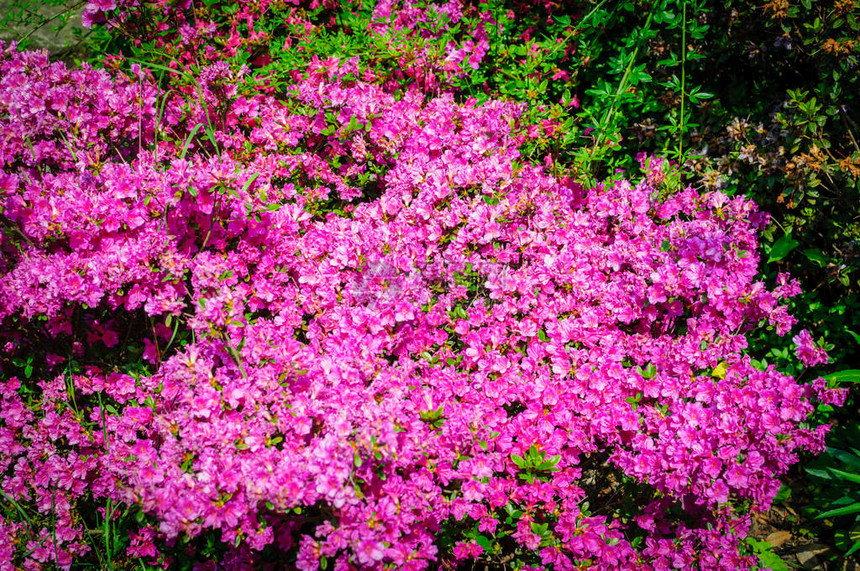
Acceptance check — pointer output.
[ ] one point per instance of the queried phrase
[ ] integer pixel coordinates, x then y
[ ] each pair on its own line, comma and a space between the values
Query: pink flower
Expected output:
104, 5
467, 550
807, 351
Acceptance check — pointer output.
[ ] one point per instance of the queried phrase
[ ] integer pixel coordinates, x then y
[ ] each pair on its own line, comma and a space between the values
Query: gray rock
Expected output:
42, 24
812, 556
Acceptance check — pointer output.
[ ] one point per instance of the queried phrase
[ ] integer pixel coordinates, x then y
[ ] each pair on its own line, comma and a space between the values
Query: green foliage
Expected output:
767, 558
535, 464
837, 498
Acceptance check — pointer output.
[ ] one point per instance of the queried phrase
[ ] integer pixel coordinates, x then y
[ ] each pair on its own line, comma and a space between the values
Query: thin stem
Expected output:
172, 337
235, 355
622, 87
847, 120
90, 537
683, 80
51, 19
54, 524
104, 420
108, 515
17, 506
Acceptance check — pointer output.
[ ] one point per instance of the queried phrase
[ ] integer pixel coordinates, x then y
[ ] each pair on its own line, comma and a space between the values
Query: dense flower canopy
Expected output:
349, 324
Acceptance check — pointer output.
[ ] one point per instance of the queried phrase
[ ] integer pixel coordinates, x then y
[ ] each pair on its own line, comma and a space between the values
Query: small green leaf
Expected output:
817, 256
819, 473
648, 373
783, 494
250, 181
188, 139
549, 464
484, 542
844, 539
539, 528
781, 248
772, 560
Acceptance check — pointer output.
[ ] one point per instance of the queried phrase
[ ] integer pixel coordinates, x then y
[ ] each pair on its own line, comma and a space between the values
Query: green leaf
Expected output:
549, 464
817, 256
852, 509
772, 560
435, 418
250, 181
846, 376
649, 373
819, 473
783, 494
781, 248
845, 457
853, 549
484, 542
188, 139
845, 476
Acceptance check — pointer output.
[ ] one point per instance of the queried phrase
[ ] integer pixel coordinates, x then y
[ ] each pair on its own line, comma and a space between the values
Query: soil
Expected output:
800, 541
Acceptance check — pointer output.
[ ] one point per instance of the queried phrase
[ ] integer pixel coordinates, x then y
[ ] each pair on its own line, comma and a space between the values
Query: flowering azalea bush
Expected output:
344, 325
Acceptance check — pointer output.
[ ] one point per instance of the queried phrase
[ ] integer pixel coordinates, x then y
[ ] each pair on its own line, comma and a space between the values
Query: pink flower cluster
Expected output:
412, 30
347, 325
410, 33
